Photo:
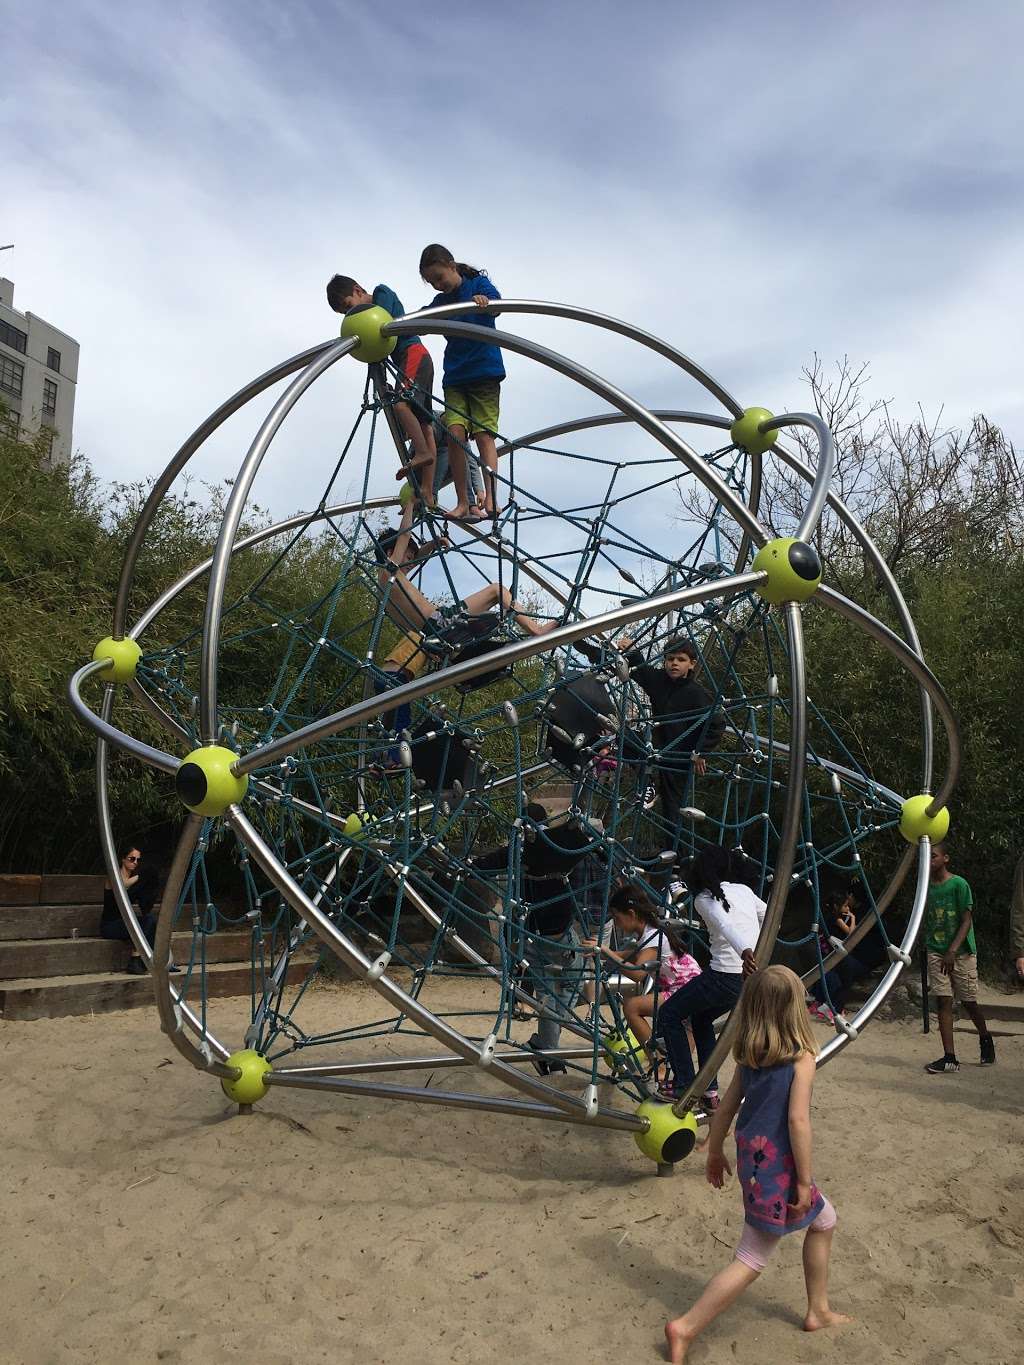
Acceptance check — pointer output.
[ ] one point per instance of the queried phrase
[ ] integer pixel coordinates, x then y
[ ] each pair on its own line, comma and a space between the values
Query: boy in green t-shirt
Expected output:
952, 959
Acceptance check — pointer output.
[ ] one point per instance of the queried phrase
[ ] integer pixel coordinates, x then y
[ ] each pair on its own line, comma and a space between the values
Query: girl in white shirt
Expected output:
732, 915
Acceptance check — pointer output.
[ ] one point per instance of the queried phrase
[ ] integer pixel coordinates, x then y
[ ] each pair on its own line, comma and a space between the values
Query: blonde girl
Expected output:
775, 1056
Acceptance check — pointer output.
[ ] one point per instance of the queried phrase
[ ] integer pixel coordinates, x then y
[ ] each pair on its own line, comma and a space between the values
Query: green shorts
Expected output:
473, 406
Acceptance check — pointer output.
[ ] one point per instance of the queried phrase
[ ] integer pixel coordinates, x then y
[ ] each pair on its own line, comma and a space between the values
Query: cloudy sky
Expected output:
755, 182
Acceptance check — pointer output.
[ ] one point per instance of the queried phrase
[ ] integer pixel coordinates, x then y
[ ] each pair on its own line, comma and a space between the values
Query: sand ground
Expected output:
144, 1220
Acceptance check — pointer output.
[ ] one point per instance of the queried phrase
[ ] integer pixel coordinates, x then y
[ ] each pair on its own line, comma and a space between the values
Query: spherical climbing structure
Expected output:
414, 797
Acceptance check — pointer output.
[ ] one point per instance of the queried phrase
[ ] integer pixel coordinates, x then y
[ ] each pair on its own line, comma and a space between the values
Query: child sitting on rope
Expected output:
657, 953
414, 381
411, 610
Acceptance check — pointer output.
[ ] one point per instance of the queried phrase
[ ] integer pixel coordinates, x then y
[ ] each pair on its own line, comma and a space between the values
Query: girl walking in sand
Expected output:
774, 1052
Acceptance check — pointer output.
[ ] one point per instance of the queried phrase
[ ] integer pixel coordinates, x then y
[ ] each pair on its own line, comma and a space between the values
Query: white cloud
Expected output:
755, 183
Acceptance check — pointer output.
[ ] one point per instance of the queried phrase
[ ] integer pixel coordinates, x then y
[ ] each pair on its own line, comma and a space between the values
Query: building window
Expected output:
49, 398
12, 375
11, 336
10, 420
52, 359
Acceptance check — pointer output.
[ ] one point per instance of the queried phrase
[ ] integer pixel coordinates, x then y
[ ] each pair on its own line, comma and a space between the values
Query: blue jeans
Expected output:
701, 1001
838, 982
554, 973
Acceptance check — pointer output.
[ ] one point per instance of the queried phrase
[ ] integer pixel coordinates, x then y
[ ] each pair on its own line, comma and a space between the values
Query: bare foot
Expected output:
463, 513
679, 1341
406, 469
814, 1322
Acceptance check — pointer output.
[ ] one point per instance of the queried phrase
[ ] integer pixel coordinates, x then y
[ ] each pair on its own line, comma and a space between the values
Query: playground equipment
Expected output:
354, 812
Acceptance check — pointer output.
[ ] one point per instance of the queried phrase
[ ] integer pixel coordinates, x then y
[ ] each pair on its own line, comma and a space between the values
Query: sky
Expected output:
753, 182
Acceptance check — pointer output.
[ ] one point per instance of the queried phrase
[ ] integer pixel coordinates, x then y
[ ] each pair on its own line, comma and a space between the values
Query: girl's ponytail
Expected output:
634, 898
711, 867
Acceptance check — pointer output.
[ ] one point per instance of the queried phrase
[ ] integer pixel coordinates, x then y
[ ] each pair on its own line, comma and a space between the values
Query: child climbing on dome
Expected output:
657, 953
411, 610
473, 371
686, 720
732, 915
775, 1064
413, 384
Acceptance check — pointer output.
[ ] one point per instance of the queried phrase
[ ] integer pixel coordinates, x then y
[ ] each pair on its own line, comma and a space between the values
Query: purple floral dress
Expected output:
764, 1158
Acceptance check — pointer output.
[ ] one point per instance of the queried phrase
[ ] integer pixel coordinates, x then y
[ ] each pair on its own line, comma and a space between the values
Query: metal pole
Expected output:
441, 1063
788, 836
455, 1100
171, 1019
324, 359
617, 397
281, 748
108, 846
921, 673
181, 459
356, 960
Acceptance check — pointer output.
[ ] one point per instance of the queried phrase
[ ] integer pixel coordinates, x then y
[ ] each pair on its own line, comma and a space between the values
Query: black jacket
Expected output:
685, 717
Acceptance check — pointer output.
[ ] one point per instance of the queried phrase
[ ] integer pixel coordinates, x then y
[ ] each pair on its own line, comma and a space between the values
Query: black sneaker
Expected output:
943, 1066
136, 967
542, 1065
988, 1050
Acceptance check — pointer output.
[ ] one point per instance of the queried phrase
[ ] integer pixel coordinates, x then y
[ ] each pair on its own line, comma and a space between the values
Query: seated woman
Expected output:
657, 953
411, 610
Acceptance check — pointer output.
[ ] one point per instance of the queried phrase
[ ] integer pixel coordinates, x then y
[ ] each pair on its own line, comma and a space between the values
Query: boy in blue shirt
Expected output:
413, 384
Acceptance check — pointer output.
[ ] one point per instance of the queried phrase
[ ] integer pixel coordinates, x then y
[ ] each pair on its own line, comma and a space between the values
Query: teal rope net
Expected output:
417, 832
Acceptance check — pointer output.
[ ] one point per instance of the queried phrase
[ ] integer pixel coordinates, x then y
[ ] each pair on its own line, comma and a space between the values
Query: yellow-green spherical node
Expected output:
124, 656
617, 1048
206, 783
793, 569
365, 323
405, 495
251, 1084
744, 431
915, 822
667, 1138
353, 826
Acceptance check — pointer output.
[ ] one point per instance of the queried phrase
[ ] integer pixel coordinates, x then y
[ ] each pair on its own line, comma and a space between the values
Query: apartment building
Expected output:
38, 375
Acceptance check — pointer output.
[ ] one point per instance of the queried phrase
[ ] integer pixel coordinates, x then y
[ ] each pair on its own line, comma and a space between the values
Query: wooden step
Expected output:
102, 992
83, 955
57, 921
49, 921
50, 889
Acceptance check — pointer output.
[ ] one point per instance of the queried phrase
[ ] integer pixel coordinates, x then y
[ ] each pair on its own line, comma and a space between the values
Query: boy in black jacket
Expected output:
686, 721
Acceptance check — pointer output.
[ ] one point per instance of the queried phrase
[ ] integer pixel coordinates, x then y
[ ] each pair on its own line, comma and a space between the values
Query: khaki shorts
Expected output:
960, 984
473, 406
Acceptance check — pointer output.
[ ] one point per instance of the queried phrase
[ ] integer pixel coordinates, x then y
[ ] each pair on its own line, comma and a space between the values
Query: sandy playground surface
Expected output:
143, 1220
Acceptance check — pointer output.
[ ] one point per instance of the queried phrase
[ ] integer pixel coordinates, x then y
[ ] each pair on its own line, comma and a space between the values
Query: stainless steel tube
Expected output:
498, 658
323, 360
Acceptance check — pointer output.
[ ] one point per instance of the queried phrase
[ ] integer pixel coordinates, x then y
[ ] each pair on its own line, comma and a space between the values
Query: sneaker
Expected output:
988, 1050
136, 967
821, 1012
544, 1066
710, 1100
650, 796
944, 1066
